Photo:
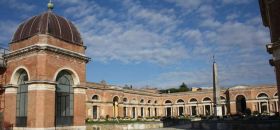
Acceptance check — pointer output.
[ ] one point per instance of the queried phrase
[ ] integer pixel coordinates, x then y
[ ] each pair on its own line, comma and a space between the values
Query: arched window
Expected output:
207, 99
64, 99
180, 101
155, 102
142, 101
276, 94
262, 96
22, 98
95, 97
124, 99
168, 102
149, 101
193, 100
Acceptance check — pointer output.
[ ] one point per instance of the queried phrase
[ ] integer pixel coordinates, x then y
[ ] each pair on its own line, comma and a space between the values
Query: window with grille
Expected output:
64, 99
22, 98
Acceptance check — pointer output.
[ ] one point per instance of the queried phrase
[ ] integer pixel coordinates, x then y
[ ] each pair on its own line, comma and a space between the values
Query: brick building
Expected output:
271, 18
45, 85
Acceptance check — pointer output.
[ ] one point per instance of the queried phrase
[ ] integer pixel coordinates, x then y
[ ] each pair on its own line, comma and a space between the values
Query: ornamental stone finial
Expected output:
50, 5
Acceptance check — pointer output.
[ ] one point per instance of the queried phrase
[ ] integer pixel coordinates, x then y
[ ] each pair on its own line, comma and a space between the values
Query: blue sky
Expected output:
161, 43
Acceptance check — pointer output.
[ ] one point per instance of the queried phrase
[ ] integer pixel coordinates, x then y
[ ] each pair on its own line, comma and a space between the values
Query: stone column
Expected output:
260, 111
79, 106
41, 104
10, 106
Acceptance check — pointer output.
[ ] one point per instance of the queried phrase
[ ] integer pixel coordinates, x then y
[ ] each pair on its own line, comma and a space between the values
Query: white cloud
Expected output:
236, 1
210, 22
232, 16
141, 34
18, 5
10, 28
206, 10
130, 40
188, 5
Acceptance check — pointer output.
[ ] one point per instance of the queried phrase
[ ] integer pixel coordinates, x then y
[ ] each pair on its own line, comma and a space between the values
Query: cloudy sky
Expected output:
161, 43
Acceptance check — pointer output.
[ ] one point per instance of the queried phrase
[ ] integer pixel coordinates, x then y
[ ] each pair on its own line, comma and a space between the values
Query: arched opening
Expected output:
193, 100
180, 101
142, 101
133, 112
64, 99
207, 106
240, 104
263, 103
95, 97
22, 99
149, 101
207, 99
168, 102
149, 112
180, 109
116, 106
125, 100
223, 101
142, 112
168, 109
194, 106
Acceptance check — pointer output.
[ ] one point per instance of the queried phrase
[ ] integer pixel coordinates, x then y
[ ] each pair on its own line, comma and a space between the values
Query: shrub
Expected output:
107, 117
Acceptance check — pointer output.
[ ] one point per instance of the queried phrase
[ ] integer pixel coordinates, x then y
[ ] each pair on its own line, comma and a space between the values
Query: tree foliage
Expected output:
182, 88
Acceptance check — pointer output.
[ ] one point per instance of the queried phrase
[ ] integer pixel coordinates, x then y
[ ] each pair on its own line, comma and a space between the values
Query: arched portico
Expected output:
263, 106
207, 105
180, 107
193, 106
116, 106
240, 104
168, 108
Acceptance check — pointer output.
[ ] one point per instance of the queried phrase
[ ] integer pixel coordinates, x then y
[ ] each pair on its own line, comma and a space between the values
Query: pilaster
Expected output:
41, 104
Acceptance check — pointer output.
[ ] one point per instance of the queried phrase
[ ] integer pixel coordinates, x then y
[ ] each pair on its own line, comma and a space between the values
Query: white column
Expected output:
276, 106
98, 112
225, 109
204, 113
165, 111
259, 103
190, 110
268, 107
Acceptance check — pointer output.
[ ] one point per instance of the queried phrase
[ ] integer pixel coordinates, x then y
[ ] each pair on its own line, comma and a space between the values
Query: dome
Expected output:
50, 24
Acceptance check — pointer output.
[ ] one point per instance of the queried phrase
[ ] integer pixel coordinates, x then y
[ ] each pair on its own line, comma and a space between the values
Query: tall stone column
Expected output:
216, 91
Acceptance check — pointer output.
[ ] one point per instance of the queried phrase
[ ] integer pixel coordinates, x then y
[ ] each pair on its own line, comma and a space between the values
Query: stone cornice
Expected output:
10, 86
41, 82
46, 47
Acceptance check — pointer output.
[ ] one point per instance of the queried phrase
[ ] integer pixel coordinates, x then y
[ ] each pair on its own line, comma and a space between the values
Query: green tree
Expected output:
183, 88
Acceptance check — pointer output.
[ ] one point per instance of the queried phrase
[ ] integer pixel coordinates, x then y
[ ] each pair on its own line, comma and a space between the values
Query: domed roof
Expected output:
50, 24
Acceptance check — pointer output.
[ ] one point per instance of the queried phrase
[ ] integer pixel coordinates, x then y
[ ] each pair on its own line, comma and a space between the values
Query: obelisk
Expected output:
216, 91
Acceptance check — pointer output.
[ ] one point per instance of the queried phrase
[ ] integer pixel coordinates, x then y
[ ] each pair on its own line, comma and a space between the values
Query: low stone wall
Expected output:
131, 126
